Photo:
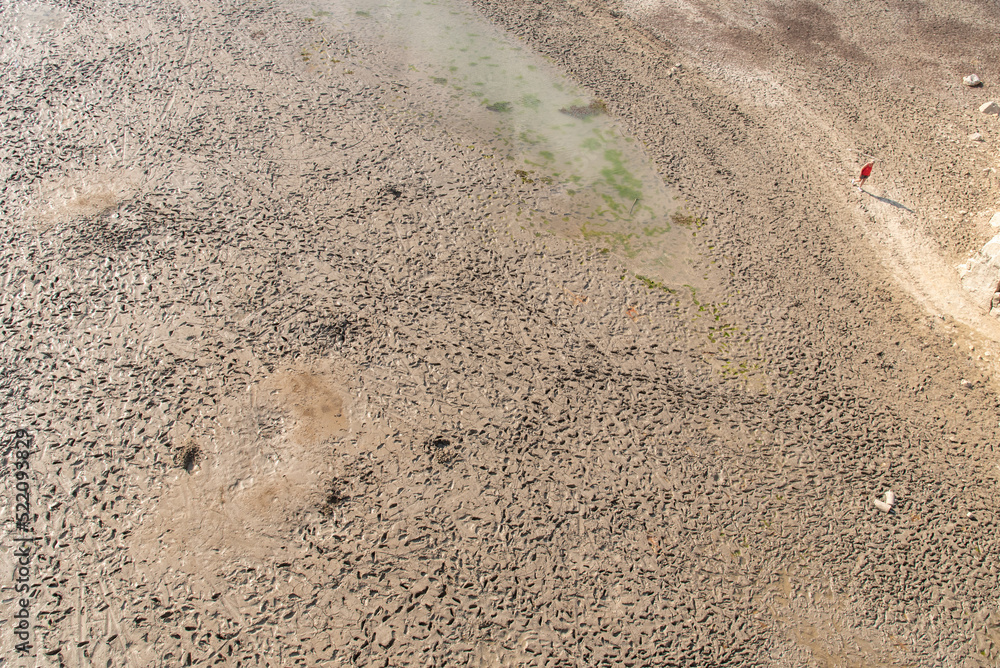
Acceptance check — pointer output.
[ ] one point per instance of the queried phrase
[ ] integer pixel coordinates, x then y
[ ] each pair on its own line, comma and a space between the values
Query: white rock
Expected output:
980, 272
972, 81
975, 136
990, 107
995, 220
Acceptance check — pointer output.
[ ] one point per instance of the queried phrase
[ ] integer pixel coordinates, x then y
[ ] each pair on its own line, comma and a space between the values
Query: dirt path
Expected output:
303, 383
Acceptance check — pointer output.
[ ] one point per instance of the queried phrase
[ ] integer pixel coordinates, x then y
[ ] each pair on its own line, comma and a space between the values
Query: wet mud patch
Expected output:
39, 18
316, 406
241, 489
81, 196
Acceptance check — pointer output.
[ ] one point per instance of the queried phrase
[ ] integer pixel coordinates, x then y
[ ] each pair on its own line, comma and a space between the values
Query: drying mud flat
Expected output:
551, 335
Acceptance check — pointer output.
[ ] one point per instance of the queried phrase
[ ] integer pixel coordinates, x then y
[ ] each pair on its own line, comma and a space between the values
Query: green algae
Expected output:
596, 182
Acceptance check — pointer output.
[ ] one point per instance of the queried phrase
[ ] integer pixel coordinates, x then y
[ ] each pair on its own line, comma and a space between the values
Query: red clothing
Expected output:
866, 171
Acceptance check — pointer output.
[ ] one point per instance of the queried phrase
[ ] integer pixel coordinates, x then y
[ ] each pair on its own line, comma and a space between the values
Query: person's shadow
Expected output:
891, 202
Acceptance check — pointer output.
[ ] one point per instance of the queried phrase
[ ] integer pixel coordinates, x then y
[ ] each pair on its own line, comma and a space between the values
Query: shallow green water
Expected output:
590, 180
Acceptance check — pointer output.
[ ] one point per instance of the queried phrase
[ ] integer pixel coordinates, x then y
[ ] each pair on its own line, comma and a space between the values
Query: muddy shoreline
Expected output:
306, 385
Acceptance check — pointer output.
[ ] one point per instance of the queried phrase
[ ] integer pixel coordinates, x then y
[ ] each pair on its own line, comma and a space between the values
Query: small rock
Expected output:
990, 107
966, 385
995, 220
972, 81
975, 136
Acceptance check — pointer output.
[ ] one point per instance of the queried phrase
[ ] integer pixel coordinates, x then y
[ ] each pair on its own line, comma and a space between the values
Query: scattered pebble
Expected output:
990, 107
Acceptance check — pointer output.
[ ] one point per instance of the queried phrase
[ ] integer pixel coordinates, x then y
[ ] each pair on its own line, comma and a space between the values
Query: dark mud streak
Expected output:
811, 30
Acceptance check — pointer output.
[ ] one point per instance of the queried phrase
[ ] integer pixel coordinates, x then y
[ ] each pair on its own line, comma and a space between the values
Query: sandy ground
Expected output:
299, 381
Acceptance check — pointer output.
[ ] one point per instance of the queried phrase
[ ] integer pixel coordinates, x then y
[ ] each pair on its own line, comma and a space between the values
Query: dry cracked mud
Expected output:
314, 354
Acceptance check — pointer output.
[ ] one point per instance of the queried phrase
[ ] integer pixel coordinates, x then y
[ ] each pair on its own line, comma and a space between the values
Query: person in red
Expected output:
866, 171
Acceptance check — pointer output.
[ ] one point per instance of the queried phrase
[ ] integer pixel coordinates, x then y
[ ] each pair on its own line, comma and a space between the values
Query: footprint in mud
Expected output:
442, 450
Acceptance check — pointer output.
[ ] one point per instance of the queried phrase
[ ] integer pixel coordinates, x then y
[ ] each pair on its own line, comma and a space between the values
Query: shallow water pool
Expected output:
594, 182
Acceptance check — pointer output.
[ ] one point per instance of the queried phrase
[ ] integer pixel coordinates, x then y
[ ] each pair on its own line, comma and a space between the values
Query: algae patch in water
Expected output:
531, 101
621, 180
686, 220
595, 108
500, 106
